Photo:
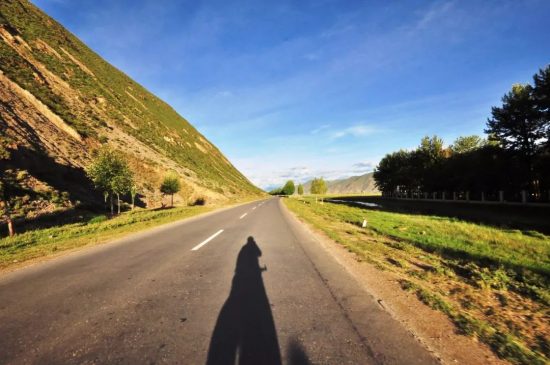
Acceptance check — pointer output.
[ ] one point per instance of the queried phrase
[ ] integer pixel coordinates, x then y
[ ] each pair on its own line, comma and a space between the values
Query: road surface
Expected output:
246, 285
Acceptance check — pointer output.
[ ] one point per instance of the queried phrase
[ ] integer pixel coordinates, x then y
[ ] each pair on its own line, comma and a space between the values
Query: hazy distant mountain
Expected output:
354, 184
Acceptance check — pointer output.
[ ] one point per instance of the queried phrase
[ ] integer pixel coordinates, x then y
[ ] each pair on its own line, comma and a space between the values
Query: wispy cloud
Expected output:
364, 166
358, 130
276, 176
437, 11
296, 173
321, 128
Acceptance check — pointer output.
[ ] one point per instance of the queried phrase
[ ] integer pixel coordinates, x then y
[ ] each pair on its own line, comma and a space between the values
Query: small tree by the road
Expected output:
6, 187
133, 193
109, 172
6, 201
122, 184
318, 187
289, 188
300, 189
170, 185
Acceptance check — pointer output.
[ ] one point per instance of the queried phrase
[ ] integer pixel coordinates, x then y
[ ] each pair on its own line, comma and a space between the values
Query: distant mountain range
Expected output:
351, 185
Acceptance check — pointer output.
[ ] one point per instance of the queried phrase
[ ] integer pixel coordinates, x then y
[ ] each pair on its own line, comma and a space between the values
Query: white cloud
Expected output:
358, 130
269, 177
319, 129
363, 167
436, 12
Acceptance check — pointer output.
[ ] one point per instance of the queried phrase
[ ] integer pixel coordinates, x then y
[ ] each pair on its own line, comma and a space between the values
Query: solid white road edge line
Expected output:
207, 240
242, 216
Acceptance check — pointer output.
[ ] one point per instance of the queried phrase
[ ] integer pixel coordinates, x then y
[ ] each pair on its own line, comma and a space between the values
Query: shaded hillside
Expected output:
351, 185
60, 101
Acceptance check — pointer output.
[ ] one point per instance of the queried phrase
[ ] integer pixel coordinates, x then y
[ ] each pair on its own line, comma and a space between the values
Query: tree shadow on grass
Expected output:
468, 212
245, 331
521, 217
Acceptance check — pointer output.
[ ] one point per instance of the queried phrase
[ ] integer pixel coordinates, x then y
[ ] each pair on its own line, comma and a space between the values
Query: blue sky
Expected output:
295, 89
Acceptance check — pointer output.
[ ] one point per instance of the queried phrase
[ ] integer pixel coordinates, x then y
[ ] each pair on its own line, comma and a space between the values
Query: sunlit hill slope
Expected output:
60, 101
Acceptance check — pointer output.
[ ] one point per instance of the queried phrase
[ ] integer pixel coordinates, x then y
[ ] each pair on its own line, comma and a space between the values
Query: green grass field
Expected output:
491, 282
506, 216
43, 242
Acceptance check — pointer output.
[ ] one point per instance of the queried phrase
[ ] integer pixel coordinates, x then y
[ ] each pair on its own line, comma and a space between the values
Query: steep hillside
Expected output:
351, 185
60, 101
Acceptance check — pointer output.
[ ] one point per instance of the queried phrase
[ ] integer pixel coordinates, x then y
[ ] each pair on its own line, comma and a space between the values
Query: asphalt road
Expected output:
262, 291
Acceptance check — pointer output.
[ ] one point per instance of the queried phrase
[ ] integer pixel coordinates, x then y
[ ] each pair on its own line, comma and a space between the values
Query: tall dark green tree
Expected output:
427, 163
300, 189
518, 127
393, 173
541, 92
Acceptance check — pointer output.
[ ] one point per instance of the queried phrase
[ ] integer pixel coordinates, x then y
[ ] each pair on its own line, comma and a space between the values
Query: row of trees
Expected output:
6, 188
514, 157
289, 188
110, 172
318, 187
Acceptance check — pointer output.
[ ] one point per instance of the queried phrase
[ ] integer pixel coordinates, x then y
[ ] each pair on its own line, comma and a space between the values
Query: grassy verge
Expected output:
98, 229
491, 282
506, 216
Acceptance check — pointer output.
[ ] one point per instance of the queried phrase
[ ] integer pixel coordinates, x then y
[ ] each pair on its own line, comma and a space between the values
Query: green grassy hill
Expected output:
60, 101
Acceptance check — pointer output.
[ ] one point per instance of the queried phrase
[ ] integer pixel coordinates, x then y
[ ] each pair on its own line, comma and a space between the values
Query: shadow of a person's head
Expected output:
248, 259
251, 247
